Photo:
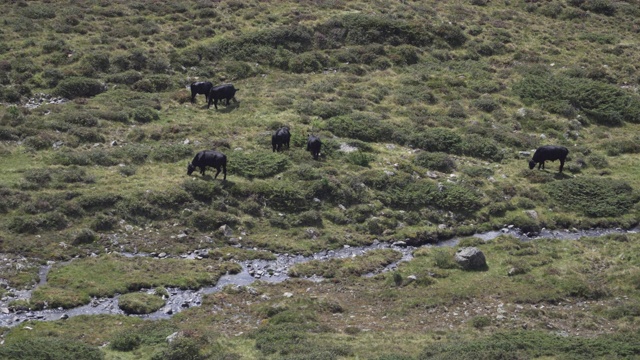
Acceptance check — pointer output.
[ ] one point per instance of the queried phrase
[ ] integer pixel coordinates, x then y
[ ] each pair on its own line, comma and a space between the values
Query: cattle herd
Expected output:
282, 136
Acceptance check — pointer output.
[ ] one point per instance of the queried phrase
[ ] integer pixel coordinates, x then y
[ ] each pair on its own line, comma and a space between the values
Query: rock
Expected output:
172, 337
470, 258
5, 310
399, 244
532, 214
525, 153
226, 230
287, 295
64, 317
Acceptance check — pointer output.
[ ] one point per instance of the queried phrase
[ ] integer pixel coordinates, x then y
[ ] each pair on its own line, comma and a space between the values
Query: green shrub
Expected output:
435, 161
480, 321
36, 223
102, 222
128, 77
258, 164
171, 152
604, 103
360, 125
144, 115
140, 303
438, 140
74, 87
49, 348
84, 236
359, 158
481, 147
126, 340
204, 191
183, 348
209, 220
594, 197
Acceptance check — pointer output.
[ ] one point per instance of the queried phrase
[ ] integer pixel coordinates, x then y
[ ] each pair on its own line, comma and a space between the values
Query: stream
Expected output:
253, 270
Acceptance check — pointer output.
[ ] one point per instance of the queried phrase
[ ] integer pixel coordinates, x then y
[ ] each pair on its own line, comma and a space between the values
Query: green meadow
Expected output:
428, 112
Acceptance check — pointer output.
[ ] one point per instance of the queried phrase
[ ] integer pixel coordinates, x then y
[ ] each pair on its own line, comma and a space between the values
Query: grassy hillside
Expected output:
428, 112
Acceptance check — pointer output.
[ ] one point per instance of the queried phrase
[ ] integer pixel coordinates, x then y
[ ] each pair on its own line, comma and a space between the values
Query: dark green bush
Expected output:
39, 11
535, 344
435, 161
258, 164
210, 220
438, 140
282, 195
359, 158
481, 147
171, 153
183, 348
144, 115
126, 340
74, 87
202, 190
49, 348
36, 223
604, 103
102, 222
594, 197
140, 303
84, 236
360, 125
87, 135
128, 77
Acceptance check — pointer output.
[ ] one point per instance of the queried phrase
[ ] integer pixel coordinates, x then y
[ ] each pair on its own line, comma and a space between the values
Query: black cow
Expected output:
551, 153
279, 138
200, 87
313, 145
211, 158
222, 92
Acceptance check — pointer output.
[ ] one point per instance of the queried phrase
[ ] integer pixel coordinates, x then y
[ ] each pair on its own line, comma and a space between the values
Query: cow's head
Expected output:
190, 168
532, 164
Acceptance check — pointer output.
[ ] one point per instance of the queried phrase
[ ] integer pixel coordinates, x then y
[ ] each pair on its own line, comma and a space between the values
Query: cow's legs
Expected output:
562, 164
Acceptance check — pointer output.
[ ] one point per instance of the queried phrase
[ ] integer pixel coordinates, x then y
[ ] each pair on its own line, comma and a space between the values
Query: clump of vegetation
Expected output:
596, 197
140, 303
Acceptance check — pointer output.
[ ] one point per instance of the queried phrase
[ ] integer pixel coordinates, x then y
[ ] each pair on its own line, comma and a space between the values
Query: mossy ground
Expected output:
472, 82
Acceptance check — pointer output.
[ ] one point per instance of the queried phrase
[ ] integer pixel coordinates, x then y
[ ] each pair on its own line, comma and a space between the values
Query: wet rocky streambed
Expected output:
252, 270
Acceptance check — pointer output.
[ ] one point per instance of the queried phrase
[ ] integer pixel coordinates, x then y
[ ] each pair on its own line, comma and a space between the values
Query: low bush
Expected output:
594, 197
140, 303
435, 161
144, 115
204, 191
84, 236
79, 118
360, 125
438, 140
49, 348
258, 164
126, 340
75, 87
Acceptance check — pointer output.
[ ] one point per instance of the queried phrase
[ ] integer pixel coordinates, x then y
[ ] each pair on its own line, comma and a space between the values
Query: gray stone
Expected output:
226, 230
532, 214
470, 258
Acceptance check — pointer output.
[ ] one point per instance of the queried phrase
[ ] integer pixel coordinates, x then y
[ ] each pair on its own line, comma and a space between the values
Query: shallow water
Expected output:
253, 270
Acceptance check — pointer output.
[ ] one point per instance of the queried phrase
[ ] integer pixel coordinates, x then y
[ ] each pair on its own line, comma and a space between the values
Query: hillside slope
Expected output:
428, 112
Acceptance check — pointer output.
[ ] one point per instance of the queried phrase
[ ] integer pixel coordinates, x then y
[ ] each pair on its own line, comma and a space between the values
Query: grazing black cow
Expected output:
200, 87
551, 153
222, 92
279, 138
211, 158
313, 145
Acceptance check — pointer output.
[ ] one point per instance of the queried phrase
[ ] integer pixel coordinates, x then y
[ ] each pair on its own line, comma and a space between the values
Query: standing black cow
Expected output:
222, 92
200, 87
211, 158
279, 138
313, 145
551, 153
